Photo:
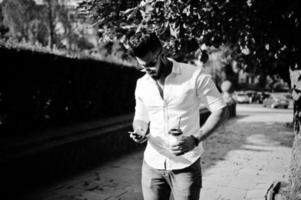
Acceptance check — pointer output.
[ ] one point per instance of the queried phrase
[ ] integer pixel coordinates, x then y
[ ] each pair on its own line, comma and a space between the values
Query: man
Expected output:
168, 97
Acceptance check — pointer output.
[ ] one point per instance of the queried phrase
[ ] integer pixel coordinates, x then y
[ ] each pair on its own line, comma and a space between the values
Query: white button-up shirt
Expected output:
185, 89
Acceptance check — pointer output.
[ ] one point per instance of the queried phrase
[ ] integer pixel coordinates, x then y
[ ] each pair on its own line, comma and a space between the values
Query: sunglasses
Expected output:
151, 65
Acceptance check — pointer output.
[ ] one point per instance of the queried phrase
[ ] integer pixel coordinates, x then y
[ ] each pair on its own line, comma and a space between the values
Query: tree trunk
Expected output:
51, 26
295, 170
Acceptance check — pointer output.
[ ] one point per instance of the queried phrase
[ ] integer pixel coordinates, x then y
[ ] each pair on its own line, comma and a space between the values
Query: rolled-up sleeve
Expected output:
208, 92
141, 112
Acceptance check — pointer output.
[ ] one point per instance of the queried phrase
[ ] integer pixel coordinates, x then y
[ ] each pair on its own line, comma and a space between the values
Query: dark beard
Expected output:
155, 77
160, 72
164, 69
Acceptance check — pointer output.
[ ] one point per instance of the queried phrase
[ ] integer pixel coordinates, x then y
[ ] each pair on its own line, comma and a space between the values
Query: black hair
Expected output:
204, 56
142, 43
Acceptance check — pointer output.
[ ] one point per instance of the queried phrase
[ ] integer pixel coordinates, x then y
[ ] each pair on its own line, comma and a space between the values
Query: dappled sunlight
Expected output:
246, 157
245, 153
267, 118
257, 113
260, 140
255, 131
257, 148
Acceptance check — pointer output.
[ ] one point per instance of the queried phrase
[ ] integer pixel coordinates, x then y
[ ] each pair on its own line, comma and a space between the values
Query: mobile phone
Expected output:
134, 133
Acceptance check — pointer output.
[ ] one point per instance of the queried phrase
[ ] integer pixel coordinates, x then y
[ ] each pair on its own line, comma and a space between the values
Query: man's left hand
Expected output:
184, 145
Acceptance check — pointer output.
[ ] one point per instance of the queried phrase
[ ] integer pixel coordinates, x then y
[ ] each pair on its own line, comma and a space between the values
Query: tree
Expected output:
295, 172
255, 30
3, 28
50, 7
16, 17
264, 36
46, 23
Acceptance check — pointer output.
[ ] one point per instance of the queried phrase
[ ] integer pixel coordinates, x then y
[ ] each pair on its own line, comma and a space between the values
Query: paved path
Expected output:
256, 152
241, 160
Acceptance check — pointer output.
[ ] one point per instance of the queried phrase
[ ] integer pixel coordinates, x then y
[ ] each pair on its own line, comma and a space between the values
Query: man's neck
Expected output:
167, 70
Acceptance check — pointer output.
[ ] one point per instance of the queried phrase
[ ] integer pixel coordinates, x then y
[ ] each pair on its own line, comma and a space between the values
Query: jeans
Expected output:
184, 184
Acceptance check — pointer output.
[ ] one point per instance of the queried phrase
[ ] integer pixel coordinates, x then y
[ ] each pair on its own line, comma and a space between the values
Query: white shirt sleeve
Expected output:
141, 112
208, 92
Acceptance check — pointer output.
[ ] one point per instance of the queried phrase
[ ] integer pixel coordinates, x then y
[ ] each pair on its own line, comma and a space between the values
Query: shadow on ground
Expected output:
239, 134
120, 179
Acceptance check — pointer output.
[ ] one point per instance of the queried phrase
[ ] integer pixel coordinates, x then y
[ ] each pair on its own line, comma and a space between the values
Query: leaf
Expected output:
127, 11
187, 10
149, 8
143, 14
295, 76
174, 31
132, 15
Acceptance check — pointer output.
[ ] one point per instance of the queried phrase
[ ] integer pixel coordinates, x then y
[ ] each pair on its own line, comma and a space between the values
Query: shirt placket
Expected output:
166, 118
165, 126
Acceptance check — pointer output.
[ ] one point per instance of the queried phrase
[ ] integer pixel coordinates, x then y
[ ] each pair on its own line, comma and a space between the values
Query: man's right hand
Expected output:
138, 136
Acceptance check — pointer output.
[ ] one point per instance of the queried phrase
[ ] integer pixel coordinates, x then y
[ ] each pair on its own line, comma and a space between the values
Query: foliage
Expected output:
49, 23
3, 28
99, 55
15, 14
262, 34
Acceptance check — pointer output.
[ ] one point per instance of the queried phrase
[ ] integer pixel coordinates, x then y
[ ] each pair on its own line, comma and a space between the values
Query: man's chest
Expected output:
172, 94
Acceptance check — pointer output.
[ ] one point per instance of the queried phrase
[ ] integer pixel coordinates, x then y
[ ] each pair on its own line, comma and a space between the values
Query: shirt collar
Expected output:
176, 68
